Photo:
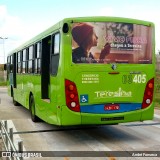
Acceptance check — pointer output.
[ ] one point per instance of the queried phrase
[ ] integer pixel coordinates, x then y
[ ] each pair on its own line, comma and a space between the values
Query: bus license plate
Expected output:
111, 107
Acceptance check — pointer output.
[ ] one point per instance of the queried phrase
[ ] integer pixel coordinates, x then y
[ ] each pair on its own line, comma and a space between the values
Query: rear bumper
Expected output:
138, 115
69, 117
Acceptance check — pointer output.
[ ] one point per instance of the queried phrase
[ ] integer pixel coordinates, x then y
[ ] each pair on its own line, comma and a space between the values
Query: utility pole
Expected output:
3, 38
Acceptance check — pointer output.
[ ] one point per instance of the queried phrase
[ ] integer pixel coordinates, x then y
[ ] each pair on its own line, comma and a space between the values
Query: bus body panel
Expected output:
125, 88
69, 117
108, 93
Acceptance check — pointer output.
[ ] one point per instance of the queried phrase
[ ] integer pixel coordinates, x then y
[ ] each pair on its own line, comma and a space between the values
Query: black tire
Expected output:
34, 118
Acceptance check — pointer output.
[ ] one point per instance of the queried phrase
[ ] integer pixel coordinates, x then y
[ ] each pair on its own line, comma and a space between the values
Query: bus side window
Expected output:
11, 64
24, 53
37, 60
30, 59
55, 53
8, 63
19, 62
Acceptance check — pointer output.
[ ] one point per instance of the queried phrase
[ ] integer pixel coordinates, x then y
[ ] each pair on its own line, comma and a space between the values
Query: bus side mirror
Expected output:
65, 28
5, 67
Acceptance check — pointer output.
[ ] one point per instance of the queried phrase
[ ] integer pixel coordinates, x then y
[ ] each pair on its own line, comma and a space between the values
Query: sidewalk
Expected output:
157, 111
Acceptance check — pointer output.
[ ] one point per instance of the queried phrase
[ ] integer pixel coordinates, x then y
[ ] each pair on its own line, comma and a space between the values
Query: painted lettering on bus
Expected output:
119, 93
122, 39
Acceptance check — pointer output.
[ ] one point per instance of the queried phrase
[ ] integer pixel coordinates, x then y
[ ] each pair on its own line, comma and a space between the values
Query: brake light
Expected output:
72, 99
148, 94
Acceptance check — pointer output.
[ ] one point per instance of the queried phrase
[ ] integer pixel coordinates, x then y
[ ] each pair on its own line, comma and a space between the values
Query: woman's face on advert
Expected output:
94, 39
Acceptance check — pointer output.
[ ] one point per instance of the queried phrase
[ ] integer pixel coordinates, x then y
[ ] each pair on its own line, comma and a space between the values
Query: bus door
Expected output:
45, 74
11, 70
54, 63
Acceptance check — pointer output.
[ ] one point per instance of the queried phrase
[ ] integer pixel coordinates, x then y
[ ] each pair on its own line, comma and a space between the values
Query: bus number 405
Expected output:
139, 78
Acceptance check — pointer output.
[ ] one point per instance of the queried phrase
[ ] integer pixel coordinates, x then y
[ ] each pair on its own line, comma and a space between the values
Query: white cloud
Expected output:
10, 27
3, 12
17, 31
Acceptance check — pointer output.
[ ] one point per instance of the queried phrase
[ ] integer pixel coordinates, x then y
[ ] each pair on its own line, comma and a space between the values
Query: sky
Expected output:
20, 20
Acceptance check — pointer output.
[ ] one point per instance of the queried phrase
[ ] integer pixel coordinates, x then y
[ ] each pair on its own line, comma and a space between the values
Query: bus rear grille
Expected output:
112, 118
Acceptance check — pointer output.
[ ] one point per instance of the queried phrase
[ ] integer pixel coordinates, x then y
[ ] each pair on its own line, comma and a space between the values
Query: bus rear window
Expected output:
111, 42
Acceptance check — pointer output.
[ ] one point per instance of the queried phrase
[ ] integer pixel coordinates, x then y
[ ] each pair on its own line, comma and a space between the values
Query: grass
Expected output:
3, 83
157, 92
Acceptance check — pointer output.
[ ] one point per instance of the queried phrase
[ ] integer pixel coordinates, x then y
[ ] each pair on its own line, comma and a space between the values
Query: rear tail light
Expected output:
148, 94
72, 99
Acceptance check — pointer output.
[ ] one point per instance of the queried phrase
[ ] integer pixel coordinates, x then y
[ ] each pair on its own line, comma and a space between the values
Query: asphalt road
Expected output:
131, 139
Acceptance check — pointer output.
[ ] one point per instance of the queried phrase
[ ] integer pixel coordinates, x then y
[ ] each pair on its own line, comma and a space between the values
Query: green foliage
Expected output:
2, 82
157, 92
1, 67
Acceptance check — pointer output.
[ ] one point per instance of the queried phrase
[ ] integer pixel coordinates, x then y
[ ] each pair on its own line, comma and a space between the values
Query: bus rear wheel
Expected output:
32, 109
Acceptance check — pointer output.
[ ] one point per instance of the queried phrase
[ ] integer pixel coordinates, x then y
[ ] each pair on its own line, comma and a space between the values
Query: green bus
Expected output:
88, 70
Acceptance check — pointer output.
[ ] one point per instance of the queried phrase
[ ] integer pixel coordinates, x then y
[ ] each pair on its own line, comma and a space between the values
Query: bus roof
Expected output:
58, 25
109, 19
